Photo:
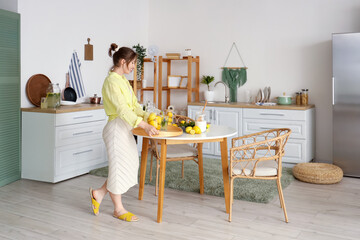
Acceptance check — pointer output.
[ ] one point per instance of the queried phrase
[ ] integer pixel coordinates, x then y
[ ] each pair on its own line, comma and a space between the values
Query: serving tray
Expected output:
36, 88
172, 131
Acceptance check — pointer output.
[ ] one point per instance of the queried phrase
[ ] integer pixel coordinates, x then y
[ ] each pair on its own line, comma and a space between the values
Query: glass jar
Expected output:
305, 96
200, 121
298, 98
53, 95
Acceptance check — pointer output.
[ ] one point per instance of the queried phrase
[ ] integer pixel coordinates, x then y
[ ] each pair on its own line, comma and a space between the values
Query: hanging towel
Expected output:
75, 77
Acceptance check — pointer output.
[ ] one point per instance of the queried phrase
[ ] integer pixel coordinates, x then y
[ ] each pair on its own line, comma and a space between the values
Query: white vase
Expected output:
209, 96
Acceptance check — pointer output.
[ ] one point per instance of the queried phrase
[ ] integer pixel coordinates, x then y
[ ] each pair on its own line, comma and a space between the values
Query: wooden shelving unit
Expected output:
139, 87
190, 60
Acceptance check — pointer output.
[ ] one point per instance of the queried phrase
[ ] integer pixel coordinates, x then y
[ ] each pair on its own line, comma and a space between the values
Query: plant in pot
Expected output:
209, 95
141, 52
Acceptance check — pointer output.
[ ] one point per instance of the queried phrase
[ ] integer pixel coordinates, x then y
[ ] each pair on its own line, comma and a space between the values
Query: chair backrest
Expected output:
253, 150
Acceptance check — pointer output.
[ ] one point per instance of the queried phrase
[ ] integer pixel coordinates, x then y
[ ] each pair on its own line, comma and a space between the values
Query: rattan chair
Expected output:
178, 152
258, 156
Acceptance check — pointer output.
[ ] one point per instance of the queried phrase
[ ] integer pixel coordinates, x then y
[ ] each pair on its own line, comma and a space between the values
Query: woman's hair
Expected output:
123, 53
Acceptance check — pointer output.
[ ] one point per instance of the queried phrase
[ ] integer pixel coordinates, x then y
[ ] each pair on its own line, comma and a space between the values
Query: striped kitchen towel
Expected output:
75, 77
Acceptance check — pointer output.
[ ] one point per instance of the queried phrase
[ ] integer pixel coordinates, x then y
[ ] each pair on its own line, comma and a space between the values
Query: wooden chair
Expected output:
258, 156
179, 152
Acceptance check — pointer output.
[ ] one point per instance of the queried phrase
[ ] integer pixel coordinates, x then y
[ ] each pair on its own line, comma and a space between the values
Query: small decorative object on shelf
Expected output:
176, 81
53, 95
188, 52
173, 55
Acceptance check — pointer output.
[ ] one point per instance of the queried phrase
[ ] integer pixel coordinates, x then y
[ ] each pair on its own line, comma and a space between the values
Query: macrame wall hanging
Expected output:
234, 77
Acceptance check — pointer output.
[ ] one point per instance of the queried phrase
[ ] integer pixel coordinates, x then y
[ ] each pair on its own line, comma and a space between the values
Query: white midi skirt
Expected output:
122, 156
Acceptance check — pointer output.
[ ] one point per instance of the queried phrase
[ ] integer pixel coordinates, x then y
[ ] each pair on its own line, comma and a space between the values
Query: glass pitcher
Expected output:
53, 95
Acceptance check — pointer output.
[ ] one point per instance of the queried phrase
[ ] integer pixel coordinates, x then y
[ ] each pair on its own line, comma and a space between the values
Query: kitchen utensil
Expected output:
36, 88
70, 94
95, 99
284, 100
269, 94
265, 94
67, 103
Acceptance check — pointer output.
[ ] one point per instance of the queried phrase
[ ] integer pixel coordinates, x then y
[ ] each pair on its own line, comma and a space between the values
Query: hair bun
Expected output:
113, 47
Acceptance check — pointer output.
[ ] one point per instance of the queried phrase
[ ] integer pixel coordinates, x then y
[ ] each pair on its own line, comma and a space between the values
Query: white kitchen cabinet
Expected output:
250, 119
62, 144
301, 146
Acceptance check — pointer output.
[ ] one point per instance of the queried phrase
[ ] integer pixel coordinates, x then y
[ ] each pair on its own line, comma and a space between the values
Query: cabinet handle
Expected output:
273, 114
88, 116
214, 115
333, 91
265, 128
78, 153
80, 133
210, 114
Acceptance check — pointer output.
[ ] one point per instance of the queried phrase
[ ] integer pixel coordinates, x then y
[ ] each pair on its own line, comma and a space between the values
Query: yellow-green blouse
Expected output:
120, 101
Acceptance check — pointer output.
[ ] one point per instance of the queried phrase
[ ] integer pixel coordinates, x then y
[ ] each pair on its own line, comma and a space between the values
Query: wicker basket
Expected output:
319, 173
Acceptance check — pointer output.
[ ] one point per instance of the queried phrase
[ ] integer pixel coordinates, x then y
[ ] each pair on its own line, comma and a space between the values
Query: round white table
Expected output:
214, 134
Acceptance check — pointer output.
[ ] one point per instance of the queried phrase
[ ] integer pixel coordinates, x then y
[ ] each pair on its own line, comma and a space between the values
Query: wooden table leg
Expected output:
225, 171
161, 180
201, 167
144, 153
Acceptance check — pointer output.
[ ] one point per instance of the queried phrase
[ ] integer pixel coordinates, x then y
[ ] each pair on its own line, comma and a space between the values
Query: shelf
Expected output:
190, 90
168, 88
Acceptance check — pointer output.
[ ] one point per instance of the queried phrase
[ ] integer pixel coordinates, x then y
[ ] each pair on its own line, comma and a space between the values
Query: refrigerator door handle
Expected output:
333, 91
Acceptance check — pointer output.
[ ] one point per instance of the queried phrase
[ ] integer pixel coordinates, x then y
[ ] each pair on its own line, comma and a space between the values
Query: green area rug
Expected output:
261, 191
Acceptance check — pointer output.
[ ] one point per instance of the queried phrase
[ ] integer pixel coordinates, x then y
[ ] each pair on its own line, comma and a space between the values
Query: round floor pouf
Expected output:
319, 173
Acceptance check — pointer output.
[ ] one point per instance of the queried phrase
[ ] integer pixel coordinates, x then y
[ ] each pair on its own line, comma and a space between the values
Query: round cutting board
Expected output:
172, 131
36, 88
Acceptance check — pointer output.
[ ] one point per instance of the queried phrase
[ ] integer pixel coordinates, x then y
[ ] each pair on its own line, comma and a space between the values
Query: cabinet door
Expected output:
230, 117
208, 148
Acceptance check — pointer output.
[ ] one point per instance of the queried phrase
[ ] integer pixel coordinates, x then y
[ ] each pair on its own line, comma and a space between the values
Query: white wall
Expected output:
9, 5
285, 44
52, 30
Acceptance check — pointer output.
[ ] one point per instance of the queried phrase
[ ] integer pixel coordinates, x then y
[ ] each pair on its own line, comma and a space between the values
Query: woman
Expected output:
125, 113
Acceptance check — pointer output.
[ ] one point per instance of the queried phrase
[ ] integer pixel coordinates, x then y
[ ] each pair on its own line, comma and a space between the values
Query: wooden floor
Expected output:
36, 210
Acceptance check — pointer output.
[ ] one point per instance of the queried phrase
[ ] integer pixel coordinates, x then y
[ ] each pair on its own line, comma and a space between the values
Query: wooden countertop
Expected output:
65, 109
251, 105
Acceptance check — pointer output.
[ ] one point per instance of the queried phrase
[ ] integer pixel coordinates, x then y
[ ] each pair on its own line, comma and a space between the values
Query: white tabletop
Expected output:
213, 132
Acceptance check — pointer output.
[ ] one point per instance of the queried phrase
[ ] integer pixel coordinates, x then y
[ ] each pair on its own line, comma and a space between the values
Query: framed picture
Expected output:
176, 81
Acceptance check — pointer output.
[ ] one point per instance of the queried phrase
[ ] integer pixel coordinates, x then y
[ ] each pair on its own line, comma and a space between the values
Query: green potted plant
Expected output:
209, 95
141, 52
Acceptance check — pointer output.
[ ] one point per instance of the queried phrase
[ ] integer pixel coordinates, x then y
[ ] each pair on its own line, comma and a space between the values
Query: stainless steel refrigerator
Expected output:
346, 102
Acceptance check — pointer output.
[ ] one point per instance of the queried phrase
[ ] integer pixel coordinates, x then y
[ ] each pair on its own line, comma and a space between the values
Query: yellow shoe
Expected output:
94, 204
127, 217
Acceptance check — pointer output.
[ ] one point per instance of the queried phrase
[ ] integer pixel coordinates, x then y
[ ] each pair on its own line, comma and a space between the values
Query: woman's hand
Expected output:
149, 129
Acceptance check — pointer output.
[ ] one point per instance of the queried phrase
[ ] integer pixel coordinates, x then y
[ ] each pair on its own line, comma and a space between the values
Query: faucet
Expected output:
226, 87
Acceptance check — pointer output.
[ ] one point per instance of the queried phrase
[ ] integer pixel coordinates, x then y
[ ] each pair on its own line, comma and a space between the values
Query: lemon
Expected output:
207, 126
158, 119
192, 132
170, 114
188, 129
153, 123
175, 125
170, 120
197, 130
151, 117
182, 122
169, 123
158, 127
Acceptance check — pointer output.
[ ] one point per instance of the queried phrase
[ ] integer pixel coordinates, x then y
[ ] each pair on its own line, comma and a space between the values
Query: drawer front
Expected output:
79, 117
294, 151
85, 132
298, 128
275, 114
74, 158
